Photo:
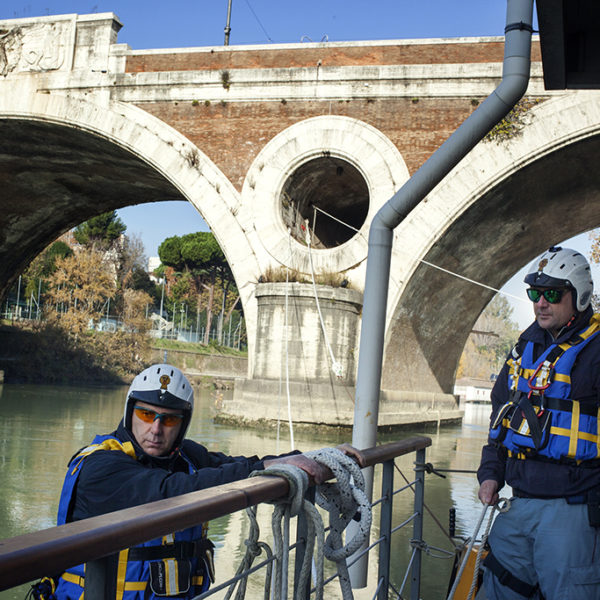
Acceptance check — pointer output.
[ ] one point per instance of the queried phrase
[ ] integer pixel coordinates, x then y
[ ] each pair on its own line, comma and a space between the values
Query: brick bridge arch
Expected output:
499, 208
65, 159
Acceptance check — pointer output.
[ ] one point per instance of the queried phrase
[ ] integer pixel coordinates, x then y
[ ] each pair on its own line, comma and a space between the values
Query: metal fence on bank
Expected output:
96, 541
230, 334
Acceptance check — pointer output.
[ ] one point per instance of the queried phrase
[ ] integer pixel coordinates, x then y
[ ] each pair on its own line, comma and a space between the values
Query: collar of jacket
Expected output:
534, 333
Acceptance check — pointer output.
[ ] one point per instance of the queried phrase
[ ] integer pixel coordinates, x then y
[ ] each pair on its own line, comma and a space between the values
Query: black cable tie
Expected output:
428, 468
520, 26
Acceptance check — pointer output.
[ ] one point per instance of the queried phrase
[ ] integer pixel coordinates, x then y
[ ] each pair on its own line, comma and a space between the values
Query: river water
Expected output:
42, 426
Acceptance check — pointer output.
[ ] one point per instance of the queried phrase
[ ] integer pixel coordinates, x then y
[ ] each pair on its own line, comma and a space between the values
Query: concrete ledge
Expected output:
261, 402
209, 365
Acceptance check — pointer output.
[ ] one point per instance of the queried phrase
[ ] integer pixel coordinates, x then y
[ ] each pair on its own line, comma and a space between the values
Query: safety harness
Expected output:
541, 419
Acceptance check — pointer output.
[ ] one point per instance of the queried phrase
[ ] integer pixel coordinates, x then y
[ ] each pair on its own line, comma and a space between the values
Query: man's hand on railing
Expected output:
317, 473
354, 453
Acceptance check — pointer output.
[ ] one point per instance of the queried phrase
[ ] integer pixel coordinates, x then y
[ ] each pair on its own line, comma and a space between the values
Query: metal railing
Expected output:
95, 541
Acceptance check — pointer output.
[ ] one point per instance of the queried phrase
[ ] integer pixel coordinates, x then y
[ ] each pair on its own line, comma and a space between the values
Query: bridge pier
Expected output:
313, 363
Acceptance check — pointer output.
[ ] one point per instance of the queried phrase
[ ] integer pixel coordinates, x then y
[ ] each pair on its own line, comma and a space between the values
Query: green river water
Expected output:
42, 426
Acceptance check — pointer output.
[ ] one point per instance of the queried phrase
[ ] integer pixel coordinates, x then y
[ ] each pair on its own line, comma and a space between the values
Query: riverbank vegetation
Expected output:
213, 347
91, 306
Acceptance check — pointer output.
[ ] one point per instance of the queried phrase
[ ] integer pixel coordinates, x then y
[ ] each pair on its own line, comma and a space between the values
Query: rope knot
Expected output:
297, 480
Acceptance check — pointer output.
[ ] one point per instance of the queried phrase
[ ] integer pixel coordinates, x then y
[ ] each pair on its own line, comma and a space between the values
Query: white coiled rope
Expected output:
343, 499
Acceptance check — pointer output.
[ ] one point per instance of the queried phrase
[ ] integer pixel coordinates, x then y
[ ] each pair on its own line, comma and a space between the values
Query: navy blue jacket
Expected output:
112, 480
532, 477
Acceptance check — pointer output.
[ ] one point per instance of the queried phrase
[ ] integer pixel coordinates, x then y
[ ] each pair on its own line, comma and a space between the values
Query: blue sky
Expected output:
180, 23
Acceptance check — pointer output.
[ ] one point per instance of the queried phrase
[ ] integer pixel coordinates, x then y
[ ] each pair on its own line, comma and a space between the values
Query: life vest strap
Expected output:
585, 408
179, 550
505, 577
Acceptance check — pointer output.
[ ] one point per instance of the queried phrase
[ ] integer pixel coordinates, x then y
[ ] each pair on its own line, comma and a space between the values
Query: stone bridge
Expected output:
265, 140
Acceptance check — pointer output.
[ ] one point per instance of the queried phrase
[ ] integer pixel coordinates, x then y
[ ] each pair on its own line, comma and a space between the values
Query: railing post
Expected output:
101, 578
415, 587
301, 536
385, 529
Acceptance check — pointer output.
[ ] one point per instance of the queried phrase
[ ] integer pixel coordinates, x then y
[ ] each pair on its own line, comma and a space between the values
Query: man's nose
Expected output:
156, 425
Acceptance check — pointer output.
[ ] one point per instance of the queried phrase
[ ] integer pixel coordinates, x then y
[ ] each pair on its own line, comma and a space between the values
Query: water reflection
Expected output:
41, 427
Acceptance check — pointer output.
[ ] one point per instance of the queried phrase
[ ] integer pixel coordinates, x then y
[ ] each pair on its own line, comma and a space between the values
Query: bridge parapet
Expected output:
57, 43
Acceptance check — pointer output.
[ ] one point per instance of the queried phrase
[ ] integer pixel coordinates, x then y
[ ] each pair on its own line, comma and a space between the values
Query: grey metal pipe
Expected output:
515, 77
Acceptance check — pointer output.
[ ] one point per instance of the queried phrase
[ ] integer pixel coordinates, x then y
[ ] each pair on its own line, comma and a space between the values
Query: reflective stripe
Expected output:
197, 579
171, 576
598, 436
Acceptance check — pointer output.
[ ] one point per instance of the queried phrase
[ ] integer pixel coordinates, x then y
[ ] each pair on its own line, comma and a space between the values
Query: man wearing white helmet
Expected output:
146, 459
544, 442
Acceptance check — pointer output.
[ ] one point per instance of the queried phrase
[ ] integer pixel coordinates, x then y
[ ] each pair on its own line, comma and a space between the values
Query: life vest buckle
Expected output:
542, 376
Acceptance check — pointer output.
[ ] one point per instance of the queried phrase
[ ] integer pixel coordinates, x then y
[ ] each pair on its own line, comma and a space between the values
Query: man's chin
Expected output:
153, 449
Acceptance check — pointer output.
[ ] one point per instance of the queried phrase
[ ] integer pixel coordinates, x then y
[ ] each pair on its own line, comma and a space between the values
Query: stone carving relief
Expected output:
37, 47
10, 49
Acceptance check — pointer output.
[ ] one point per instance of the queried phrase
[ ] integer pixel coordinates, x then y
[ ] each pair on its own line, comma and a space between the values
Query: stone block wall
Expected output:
297, 327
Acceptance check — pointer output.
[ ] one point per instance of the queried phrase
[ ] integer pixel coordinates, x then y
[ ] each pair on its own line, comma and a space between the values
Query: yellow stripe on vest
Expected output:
575, 412
588, 437
135, 586
110, 444
121, 573
72, 578
598, 430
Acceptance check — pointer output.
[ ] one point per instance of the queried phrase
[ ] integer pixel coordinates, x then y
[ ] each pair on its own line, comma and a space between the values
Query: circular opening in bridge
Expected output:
329, 196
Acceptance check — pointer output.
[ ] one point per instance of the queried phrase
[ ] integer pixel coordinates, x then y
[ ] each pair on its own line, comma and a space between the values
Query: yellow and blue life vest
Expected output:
541, 419
174, 565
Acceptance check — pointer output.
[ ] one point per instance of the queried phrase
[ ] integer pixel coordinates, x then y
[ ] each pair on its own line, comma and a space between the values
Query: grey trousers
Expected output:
548, 542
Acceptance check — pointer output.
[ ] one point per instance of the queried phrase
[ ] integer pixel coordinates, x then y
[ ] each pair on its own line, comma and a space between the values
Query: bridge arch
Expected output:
499, 208
66, 159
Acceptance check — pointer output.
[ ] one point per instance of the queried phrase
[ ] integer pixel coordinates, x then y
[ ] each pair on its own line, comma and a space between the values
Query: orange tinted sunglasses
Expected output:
149, 416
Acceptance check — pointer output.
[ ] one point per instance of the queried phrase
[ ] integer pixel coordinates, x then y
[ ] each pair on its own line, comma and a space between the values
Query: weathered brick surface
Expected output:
232, 134
329, 56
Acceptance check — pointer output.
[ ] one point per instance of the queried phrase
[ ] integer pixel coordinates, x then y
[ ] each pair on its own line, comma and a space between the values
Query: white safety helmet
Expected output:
566, 268
164, 386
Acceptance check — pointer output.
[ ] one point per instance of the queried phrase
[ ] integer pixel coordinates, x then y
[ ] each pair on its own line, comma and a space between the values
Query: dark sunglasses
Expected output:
149, 416
552, 296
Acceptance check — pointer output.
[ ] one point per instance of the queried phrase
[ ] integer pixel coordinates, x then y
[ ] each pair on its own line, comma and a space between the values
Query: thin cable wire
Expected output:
483, 285
429, 264
258, 21
287, 365
338, 220
287, 352
336, 367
